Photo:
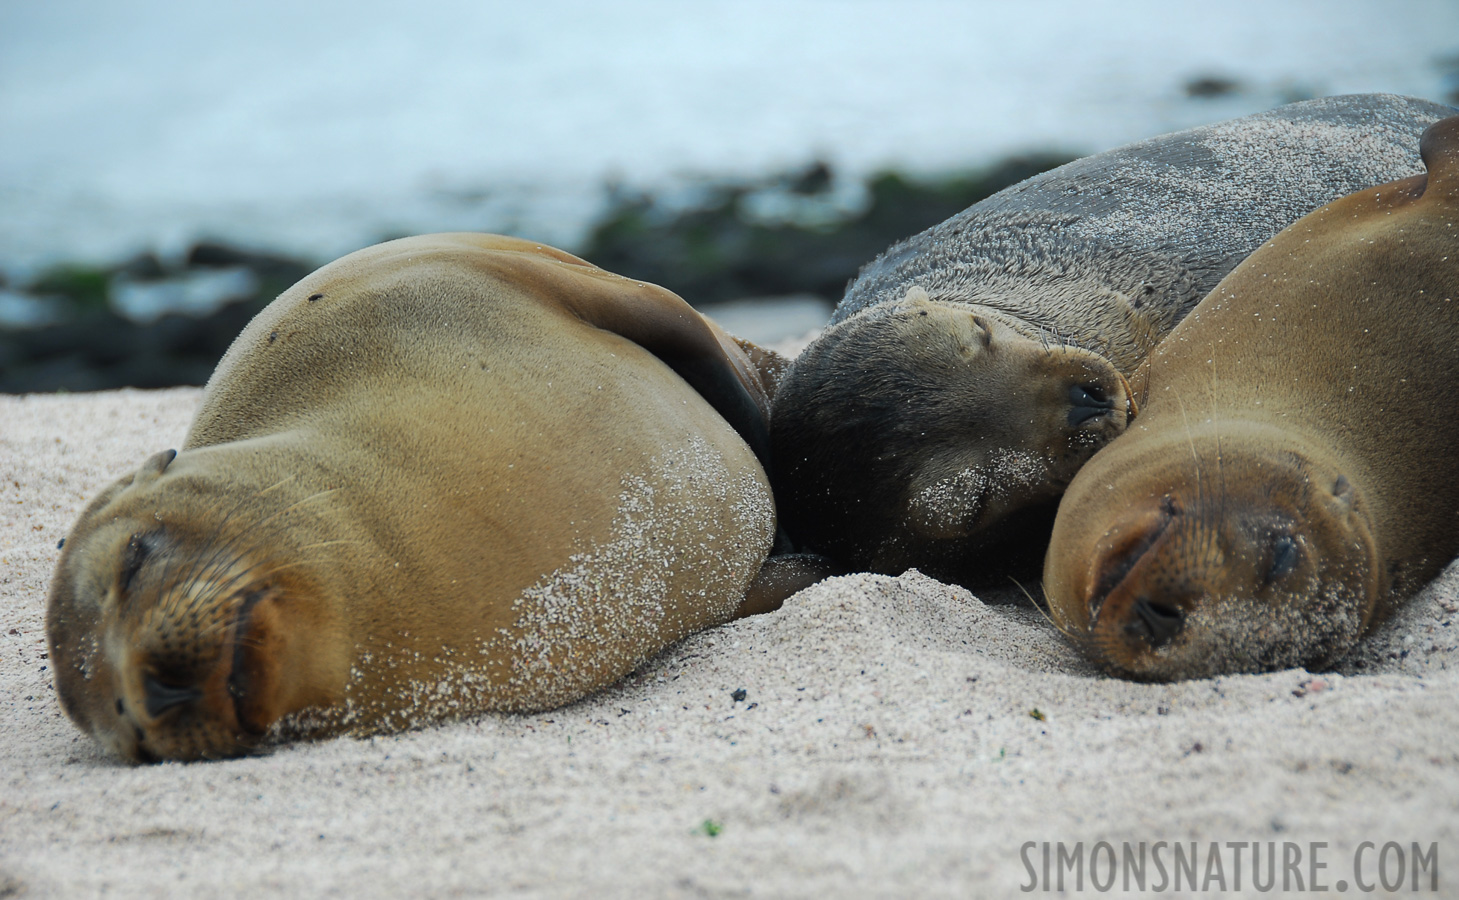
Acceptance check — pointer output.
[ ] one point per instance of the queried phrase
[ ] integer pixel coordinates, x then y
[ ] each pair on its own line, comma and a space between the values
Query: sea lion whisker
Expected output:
217, 587
241, 639
1216, 418
1195, 454
250, 578
1078, 636
271, 518
235, 584
1032, 602
230, 544
333, 543
231, 548
249, 574
276, 485
288, 565
1066, 631
200, 557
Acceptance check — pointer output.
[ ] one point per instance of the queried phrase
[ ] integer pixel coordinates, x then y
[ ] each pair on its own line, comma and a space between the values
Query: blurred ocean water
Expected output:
316, 127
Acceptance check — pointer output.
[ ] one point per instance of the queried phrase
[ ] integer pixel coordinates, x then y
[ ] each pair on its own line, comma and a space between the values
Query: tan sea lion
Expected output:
971, 370
1292, 476
441, 475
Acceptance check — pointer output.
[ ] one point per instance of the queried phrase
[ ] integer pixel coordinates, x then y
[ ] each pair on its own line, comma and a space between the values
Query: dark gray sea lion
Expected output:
1293, 476
972, 369
441, 475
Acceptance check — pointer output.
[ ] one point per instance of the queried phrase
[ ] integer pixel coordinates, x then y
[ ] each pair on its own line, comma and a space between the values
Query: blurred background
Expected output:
167, 167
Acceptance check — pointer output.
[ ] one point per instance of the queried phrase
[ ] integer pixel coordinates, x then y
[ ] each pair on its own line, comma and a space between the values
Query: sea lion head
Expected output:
1210, 555
906, 431
177, 629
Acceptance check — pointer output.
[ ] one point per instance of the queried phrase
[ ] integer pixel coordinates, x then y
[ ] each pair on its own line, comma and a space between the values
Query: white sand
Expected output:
885, 747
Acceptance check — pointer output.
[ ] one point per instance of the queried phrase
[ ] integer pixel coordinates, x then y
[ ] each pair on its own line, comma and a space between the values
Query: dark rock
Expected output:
267, 266
84, 286
1211, 86
105, 351
717, 252
142, 267
814, 180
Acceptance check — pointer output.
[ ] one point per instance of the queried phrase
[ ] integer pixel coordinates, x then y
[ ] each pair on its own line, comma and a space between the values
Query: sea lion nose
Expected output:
1155, 623
1086, 402
162, 697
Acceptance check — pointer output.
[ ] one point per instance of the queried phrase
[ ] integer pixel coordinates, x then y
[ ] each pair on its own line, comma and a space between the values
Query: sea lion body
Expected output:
899, 441
1291, 477
439, 476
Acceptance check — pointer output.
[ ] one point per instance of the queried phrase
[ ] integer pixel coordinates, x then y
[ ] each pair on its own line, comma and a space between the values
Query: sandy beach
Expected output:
896, 737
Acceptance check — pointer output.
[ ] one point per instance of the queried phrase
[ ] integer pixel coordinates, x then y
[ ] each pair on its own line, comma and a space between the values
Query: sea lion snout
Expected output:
173, 637
215, 657
1134, 607
1255, 568
161, 696
1122, 550
188, 676
1087, 402
1154, 623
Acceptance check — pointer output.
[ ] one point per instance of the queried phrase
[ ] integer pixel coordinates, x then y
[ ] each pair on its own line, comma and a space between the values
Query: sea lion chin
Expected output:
949, 461
1243, 552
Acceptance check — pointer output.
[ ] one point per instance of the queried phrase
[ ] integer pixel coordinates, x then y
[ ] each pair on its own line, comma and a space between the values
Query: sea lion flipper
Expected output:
769, 365
697, 349
721, 370
782, 576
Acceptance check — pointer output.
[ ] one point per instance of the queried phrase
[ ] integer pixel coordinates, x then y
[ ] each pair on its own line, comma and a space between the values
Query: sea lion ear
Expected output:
770, 366
659, 321
155, 465
1439, 148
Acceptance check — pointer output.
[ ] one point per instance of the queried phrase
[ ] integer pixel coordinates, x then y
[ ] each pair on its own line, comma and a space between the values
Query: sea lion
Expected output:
972, 369
441, 475
1291, 478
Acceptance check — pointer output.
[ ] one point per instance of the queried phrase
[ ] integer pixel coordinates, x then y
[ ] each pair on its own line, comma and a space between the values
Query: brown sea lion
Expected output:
1292, 476
971, 370
441, 475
